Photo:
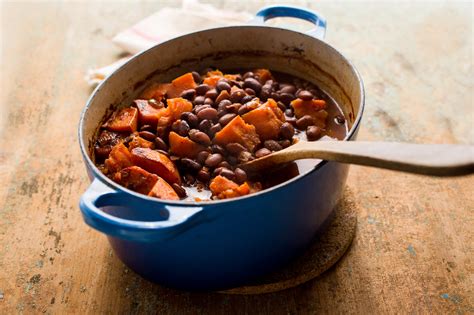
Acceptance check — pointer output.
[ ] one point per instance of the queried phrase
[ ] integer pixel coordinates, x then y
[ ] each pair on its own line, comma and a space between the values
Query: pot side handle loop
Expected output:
266, 13
156, 221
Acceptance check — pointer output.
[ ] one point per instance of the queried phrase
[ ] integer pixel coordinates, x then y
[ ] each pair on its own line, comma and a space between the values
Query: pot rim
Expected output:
105, 180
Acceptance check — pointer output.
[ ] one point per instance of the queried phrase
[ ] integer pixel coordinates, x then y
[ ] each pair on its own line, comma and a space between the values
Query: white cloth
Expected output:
166, 24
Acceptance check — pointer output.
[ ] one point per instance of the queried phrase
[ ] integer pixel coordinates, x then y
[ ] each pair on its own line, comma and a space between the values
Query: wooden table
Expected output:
413, 251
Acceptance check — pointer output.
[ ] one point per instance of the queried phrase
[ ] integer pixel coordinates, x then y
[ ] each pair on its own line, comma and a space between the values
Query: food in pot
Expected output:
186, 139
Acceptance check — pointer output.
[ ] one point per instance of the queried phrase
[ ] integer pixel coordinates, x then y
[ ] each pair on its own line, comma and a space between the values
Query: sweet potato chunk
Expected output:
180, 84
156, 163
238, 131
313, 108
156, 91
163, 190
266, 122
176, 106
136, 179
123, 120
263, 75
147, 113
223, 188
139, 142
212, 80
119, 158
183, 146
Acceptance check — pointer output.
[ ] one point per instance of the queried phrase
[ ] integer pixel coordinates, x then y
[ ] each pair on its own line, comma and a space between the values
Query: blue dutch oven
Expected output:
221, 244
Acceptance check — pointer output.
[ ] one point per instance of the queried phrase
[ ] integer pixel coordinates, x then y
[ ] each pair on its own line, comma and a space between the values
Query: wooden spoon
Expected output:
427, 159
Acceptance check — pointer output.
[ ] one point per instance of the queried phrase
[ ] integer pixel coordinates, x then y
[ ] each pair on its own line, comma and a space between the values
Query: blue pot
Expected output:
221, 244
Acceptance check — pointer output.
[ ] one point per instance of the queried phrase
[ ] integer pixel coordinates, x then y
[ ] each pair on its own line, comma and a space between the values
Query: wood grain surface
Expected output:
413, 251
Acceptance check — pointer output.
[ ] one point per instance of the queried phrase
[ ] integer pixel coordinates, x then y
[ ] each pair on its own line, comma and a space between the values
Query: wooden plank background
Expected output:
413, 250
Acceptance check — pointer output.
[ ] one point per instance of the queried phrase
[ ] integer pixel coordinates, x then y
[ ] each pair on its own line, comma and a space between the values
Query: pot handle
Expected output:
319, 31
160, 221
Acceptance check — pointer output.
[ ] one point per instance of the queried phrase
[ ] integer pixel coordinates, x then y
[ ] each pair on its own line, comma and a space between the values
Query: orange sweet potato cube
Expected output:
123, 120
139, 142
156, 163
156, 91
212, 80
223, 188
263, 74
266, 122
183, 146
119, 158
163, 190
147, 113
180, 84
176, 106
238, 131
313, 108
136, 179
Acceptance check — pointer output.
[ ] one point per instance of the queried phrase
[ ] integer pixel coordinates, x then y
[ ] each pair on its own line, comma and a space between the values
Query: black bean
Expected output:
313, 133
287, 131
160, 144
208, 113
265, 92
304, 122
180, 191
202, 89
196, 77
235, 148
275, 96
237, 96
204, 175
244, 109
191, 118
213, 160
253, 84
202, 156
286, 98
250, 92
174, 158
233, 108
218, 149
285, 143
305, 95
281, 106
262, 152
199, 108
240, 175
272, 145
217, 171
289, 112
248, 74
232, 160
224, 120
147, 135
236, 83
227, 173
190, 164
222, 85
222, 104
208, 101
147, 128
290, 89
215, 129
181, 127
205, 125
163, 152
188, 94
340, 119
212, 93
224, 95
198, 100
199, 137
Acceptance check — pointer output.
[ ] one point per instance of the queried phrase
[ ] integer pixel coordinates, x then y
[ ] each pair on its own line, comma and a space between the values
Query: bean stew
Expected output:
185, 139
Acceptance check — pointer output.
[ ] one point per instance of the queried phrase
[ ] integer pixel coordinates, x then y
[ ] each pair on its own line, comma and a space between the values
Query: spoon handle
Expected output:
427, 159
